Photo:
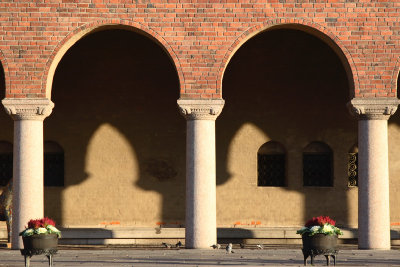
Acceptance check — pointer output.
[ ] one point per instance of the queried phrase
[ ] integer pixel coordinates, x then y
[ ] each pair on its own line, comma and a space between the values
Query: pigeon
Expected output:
166, 245
260, 246
217, 246
178, 245
241, 245
229, 248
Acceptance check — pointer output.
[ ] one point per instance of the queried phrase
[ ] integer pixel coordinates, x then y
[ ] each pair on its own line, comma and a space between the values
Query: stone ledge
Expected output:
179, 233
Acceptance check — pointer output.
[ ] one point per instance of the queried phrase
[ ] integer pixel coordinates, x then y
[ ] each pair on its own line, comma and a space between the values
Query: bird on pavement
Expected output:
166, 245
229, 248
216, 246
178, 245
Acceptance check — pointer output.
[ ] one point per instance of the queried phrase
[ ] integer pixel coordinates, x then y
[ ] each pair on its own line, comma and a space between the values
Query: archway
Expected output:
115, 93
290, 84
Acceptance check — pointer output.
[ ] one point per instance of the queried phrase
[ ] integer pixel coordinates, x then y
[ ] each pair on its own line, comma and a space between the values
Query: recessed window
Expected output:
352, 167
271, 161
6, 162
317, 165
53, 164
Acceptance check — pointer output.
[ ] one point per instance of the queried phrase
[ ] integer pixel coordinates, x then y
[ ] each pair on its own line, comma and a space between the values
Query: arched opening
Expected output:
293, 86
115, 93
6, 135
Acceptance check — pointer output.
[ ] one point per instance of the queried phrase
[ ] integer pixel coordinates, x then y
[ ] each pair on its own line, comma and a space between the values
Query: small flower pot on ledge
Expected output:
319, 244
40, 237
319, 236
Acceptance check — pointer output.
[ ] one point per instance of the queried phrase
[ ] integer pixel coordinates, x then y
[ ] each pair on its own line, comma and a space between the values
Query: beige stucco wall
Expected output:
394, 168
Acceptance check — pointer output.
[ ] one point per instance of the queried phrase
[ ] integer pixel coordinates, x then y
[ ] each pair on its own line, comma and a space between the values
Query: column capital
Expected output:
28, 108
200, 109
373, 108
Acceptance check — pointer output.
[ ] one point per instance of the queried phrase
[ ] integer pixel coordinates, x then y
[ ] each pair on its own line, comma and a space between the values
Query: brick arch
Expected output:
300, 24
7, 85
82, 31
395, 76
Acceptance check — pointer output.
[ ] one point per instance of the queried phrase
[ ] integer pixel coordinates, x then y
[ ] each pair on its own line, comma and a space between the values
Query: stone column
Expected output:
28, 116
201, 218
373, 177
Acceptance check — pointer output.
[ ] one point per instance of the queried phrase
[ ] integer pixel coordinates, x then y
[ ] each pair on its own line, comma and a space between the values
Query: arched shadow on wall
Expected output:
293, 87
126, 80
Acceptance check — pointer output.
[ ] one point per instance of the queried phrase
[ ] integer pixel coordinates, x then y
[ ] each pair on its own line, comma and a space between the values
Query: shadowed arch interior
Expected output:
115, 95
292, 86
6, 135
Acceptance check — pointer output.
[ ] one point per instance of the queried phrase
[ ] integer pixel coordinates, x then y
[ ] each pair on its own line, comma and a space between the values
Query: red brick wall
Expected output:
200, 36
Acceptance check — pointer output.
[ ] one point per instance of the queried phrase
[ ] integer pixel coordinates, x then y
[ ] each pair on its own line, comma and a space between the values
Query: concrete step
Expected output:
135, 235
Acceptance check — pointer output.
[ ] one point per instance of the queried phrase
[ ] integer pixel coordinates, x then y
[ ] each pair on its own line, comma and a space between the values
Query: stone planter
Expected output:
39, 244
320, 244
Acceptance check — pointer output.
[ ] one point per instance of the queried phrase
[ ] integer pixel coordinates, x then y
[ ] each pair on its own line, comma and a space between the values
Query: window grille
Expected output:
317, 165
352, 166
271, 159
353, 169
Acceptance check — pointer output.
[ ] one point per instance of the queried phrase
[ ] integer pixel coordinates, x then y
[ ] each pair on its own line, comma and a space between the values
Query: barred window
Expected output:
271, 161
317, 165
6, 162
352, 167
53, 164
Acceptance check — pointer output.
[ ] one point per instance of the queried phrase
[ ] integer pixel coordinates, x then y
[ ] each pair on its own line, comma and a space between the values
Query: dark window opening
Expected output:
271, 161
317, 165
53, 164
6, 162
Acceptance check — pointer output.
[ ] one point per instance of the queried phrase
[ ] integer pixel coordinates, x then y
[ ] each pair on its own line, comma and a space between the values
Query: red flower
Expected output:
38, 223
34, 224
47, 221
321, 220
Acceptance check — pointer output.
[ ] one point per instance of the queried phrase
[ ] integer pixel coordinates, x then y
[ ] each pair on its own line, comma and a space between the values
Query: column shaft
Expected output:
373, 196
27, 201
373, 164
201, 210
28, 176
201, 222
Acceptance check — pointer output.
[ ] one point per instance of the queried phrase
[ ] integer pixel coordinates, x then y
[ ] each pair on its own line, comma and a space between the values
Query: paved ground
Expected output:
126, 256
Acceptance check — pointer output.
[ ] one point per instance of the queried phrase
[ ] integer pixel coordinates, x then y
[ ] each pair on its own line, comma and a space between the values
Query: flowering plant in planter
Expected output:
40, 227
320, 225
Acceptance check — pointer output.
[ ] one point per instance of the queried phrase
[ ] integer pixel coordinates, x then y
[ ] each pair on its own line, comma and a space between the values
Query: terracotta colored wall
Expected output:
199, 36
